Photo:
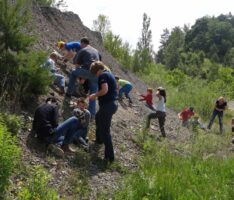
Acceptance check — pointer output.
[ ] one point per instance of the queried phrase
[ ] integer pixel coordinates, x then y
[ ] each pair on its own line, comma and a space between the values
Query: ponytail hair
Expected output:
162, 92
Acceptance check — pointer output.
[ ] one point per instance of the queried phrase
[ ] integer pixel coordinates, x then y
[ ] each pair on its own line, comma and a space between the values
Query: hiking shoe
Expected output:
67, 149
56, 150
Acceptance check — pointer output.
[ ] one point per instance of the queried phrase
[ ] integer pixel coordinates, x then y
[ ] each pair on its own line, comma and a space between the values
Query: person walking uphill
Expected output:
107, 95
83, 60
160, 111
220, 106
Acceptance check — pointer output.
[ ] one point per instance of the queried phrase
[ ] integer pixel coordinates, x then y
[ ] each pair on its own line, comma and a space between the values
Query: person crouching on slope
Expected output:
185, 116
123, 87
160, 111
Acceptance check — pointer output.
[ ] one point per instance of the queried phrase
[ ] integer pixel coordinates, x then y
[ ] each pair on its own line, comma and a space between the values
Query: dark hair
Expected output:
52, 99
117, 78
95, 66
162, 92
191, 109
84, 40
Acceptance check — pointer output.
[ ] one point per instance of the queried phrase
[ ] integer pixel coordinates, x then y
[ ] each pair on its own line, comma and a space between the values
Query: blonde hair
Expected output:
221, 99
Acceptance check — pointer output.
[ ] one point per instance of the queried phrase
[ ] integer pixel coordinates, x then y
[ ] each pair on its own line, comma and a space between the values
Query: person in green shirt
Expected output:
123, 87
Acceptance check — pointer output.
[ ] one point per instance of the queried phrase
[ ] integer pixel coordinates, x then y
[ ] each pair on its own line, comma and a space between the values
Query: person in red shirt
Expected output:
185, 115
148, 98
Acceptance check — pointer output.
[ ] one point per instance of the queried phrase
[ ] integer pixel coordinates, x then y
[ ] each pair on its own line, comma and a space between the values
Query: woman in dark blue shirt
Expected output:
107, 95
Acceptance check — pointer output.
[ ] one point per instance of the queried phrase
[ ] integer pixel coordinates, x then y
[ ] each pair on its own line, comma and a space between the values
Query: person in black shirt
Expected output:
220, 106
47, 129
107, 96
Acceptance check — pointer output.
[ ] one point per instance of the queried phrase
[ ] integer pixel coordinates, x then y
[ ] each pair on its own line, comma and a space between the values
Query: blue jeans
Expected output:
220, 116
103, 123
125, 90
80, 136
64, 133
59, 80
93, 85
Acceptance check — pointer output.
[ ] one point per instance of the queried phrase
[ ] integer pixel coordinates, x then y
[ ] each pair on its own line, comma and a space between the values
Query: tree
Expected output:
21, 74
144, 52
173, 48
102, 25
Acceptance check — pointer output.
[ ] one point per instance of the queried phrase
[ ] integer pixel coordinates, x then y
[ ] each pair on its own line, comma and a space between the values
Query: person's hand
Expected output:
92, 96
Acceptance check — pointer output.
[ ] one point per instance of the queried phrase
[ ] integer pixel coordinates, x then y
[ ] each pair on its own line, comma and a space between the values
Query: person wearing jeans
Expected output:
124, 87
107, 95
83, 60
220, 106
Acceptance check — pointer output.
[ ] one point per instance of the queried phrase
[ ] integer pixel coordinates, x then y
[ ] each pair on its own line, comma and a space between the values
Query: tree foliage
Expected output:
19, 65
144, 55
102, 24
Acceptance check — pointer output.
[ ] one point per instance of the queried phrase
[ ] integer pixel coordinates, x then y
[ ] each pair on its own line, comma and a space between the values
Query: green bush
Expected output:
13, 123
9, 155
37, 187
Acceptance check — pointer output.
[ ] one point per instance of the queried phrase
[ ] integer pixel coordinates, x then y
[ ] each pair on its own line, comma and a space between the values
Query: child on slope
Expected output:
160, 111
148, 98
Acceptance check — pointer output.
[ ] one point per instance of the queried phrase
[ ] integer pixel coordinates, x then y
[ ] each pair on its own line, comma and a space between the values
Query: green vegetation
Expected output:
9, 157
21, 74
12, 122
37, 187
196, 172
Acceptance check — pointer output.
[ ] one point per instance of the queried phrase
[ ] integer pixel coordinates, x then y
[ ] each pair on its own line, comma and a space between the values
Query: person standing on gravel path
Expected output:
220, 106
160, 111
107, 96
85, 57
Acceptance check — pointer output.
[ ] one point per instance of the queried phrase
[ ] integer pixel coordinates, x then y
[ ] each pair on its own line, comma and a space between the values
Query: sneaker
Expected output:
55, 149
67, 149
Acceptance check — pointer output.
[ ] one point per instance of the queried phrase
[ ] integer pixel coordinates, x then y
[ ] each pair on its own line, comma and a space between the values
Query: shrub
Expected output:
12, 122
37, 187
9, 155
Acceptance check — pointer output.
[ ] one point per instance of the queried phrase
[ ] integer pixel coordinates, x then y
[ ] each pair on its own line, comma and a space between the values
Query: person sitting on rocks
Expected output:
71, 49
84, 116
59, 78
123, 87
195, 123
185, 115
148, 98
46, 127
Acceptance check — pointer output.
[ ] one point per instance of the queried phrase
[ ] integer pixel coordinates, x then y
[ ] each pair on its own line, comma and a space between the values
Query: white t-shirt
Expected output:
50, 64
161, 105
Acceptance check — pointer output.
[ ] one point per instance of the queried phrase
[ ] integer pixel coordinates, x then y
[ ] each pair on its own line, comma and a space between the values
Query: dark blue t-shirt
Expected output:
72, 46
111, 95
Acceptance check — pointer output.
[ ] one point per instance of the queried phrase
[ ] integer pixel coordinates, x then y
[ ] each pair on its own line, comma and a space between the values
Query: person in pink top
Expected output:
148, 98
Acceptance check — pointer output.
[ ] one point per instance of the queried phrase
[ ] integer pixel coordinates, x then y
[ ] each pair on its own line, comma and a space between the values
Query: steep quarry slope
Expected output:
52, 25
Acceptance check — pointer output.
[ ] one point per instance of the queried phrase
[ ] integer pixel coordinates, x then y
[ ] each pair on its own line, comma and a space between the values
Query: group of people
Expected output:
189, 117
99, 83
